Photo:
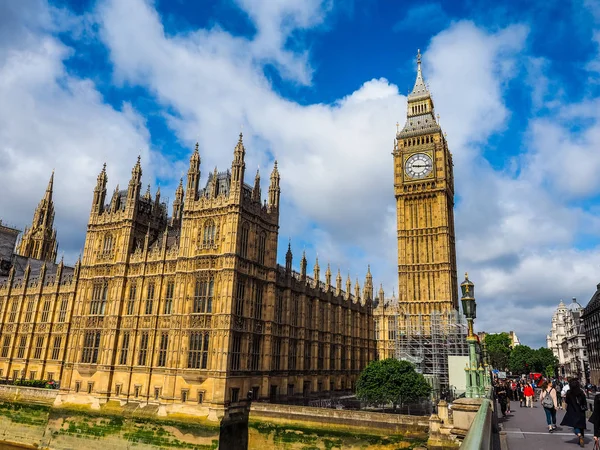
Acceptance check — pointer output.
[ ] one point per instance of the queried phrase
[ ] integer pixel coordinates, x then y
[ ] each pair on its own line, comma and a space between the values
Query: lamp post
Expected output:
470, 311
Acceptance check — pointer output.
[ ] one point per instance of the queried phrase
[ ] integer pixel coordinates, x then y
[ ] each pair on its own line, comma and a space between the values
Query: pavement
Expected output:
526, 429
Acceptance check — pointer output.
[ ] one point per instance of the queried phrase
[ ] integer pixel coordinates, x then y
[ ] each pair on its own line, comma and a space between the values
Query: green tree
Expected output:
545, 361
391, 381
498, 348
522, 359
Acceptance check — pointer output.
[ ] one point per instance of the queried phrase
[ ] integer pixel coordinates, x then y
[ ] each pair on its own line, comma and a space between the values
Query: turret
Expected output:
256, 189
116, 198
193, 178
357, 290
238, 166
288, 259
348, 286
147, 194
328, 278
99, 191
381, 294
135, 184
338, 283
157, 200
178, 202
274, 190
368, 287
317, 273
303, 265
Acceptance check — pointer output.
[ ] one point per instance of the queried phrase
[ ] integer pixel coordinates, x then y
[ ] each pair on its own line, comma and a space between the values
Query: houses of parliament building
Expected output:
190, 309
191, 312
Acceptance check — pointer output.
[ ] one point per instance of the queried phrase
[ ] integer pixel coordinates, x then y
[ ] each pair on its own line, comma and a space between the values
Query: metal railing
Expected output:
479, 436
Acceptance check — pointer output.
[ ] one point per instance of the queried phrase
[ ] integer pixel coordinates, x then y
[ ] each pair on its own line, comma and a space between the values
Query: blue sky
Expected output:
320, 85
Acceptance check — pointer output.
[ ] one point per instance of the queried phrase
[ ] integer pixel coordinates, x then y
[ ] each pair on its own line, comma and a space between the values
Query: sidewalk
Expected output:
526, 429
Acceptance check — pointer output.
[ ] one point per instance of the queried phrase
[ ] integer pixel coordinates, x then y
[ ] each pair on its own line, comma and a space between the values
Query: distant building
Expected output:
567, 340
514, 339
591, 324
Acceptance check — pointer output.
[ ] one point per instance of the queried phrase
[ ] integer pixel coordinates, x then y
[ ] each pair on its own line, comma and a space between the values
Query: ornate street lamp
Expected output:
474, 374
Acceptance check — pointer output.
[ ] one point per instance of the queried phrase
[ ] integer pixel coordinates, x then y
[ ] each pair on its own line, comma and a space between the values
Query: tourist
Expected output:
576, 405
521, 394
595, 419
549, 403
528, 392
508, 396
501, 395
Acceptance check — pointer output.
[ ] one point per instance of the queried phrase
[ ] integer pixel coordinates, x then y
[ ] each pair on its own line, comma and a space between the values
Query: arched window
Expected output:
262, 243
108, 243
210, 232
244, 240
99, 295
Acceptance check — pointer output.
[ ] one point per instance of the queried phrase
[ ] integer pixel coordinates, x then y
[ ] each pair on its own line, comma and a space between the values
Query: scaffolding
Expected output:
426, 340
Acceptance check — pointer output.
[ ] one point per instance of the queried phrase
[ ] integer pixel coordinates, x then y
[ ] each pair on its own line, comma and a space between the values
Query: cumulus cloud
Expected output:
51, 119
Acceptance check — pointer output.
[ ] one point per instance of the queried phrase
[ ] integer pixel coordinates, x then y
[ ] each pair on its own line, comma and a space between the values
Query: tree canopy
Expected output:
524, 359
498, 347
391, 381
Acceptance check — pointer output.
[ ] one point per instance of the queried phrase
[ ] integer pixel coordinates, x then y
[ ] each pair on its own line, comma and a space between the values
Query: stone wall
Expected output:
21, 394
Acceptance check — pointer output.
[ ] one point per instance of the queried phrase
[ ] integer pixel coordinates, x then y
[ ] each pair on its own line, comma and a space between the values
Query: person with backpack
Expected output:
576, 404
549, 402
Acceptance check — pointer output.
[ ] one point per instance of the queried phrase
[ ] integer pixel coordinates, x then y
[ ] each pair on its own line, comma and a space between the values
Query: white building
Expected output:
567, 340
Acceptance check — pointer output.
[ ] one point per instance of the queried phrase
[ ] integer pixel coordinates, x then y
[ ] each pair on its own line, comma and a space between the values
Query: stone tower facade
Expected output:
186, 313
424, 190
39, 240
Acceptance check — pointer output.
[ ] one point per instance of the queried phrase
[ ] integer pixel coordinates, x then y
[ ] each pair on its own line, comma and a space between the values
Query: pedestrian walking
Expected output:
576, 404
521, 394
502, 397
528, 393
549, 403
595, 420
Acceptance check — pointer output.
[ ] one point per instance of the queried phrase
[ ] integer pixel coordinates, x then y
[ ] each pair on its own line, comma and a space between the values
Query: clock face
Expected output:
418, 165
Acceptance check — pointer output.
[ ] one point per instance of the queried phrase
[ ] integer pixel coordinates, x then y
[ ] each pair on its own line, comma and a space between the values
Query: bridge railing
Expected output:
479, 436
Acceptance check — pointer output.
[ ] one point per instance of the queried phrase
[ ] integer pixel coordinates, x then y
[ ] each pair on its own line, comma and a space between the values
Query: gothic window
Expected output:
124, 348
257, 304
279, 307
376, 329
91, 344
150, 299
162, 352
13, 311
39, 344
45, 311
239, 298
309, 313
203, 296
391, 328
143, 349
209, 234
169, 297
198, 350
320, 356
236, 351
255, 353
21, 349
262, 243
98, 303
331, 357
62, 313
307, 354
276, 357
5, 346
292, 352
29, 312
131, 301
56, 347
294, 314
107, 246
244, 244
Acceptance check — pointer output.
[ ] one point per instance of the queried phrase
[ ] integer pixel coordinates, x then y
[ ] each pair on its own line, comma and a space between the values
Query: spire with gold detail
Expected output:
256, 189
100, 191
317, 273
338, 283
368, 286
178, 202
328, 278
135, 183
303, 265
39, 240
288, 258
348, 286
238, 166
274, 190
193, 178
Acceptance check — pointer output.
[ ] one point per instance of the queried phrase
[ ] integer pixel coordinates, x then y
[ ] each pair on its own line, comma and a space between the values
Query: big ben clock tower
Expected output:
424, 189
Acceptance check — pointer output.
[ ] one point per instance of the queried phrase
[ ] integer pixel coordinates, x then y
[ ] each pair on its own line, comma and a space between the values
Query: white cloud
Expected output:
50, 119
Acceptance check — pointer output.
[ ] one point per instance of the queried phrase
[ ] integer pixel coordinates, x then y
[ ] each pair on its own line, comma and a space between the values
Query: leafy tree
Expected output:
522, 359
391, 381
498, 348
545, 361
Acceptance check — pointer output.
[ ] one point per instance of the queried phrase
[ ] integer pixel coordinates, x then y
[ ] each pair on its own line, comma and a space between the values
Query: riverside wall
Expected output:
27, 416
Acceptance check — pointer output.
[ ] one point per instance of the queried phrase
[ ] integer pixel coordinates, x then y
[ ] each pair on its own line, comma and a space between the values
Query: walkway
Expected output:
526, 429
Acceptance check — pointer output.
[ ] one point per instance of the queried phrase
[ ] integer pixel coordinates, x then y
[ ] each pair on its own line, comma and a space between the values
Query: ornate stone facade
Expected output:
188, 309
